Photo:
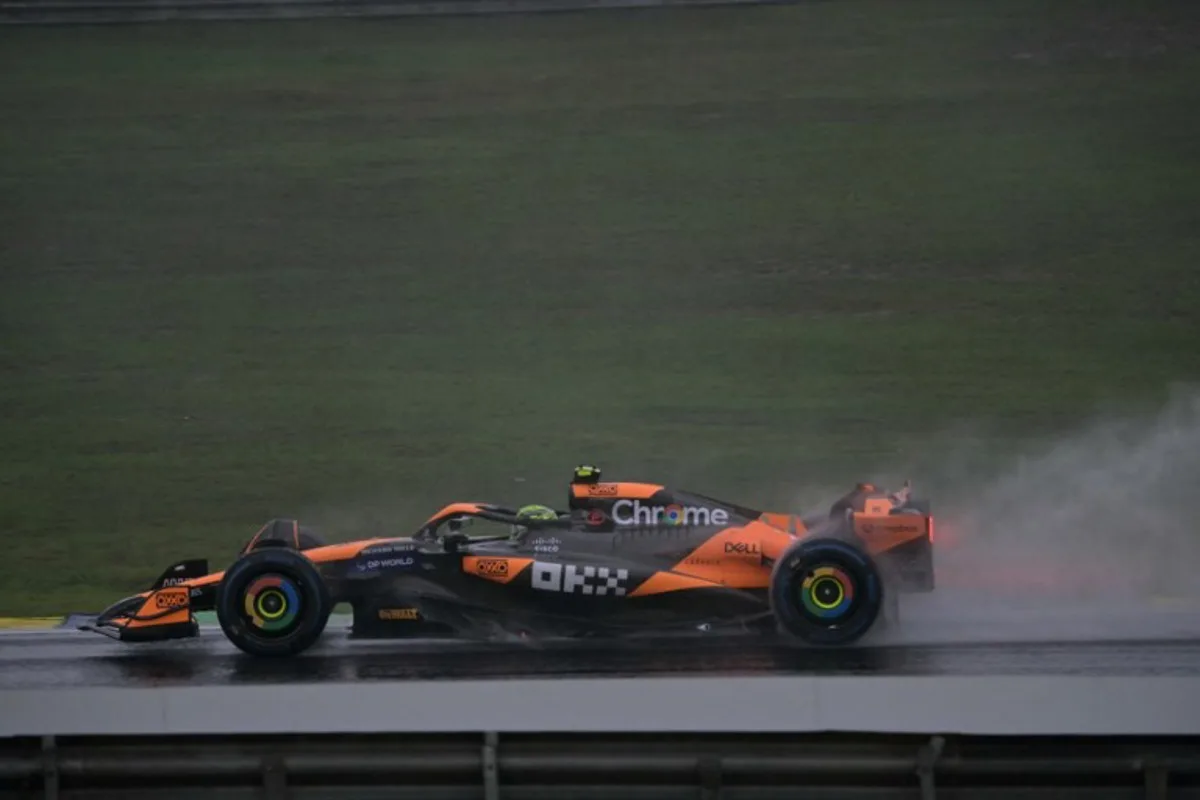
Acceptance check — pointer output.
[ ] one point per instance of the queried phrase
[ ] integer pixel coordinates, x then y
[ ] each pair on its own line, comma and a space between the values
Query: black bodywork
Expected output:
574, 574
418, 587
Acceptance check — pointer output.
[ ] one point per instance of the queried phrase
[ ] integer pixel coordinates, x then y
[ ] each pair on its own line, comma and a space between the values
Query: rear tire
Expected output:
273, 603
826, 592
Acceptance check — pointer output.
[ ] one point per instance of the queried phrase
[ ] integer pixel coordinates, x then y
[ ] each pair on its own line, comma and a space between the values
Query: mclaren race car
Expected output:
623, 558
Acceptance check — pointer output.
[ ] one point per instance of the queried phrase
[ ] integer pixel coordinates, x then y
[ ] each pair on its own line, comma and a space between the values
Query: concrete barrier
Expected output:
1021, 705
625, 767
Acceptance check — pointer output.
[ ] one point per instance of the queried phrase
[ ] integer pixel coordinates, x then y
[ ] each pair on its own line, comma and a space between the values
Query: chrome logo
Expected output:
632, 512
673, 514
272, 602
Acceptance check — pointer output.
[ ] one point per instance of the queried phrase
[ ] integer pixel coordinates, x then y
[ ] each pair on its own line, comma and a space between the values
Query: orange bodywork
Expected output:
735, 557
163, 607
498, 569
885, 532
787, 522
626, 491
661, 582
151, 611
454, 509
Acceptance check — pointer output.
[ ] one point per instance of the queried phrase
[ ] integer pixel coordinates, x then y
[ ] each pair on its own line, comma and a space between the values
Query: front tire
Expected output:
826, 592
273, 603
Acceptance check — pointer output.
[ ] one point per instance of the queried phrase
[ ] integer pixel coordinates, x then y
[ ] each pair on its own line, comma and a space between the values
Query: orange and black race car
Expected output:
624, 558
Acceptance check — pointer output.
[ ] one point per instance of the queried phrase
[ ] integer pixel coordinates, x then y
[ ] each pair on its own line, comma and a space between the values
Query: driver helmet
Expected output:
528, 514
536, 513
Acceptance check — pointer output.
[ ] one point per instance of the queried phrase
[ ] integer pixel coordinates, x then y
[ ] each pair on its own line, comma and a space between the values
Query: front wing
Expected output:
156, 615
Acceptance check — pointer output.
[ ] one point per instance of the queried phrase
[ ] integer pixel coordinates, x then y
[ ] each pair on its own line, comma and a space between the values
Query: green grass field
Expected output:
353, 270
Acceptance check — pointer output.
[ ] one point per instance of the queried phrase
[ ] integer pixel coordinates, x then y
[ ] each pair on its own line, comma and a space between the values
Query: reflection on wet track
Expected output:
61, 659
944, 638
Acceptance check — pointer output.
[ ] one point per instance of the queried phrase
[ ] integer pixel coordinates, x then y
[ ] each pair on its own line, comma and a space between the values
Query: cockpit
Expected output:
463, 523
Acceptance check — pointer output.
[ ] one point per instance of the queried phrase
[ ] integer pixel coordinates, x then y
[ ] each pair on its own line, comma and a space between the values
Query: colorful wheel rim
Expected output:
272, 603
827, 592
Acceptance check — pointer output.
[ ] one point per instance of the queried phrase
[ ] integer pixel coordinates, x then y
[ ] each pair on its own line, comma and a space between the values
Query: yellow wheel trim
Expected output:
841, 593
262, 609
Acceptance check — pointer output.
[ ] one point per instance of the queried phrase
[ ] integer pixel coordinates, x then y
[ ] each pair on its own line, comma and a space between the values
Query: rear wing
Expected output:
889, 521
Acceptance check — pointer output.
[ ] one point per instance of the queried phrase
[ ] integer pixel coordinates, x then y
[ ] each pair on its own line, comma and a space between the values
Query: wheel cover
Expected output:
272, 603
827, 593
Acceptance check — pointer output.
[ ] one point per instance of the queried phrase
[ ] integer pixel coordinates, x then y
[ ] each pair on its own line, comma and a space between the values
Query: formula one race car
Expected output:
625, 557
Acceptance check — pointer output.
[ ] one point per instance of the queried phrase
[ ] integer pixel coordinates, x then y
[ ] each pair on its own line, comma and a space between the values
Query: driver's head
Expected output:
536, 513
531, 514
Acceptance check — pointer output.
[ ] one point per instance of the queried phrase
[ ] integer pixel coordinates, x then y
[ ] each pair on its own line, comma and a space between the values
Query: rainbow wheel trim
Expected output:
272, 603
827, 592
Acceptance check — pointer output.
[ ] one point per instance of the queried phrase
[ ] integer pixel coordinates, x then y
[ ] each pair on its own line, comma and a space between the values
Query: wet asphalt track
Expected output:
962, 638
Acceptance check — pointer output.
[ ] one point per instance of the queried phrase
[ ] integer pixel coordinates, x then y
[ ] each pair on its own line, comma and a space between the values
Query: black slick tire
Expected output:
826, 592
273, 603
